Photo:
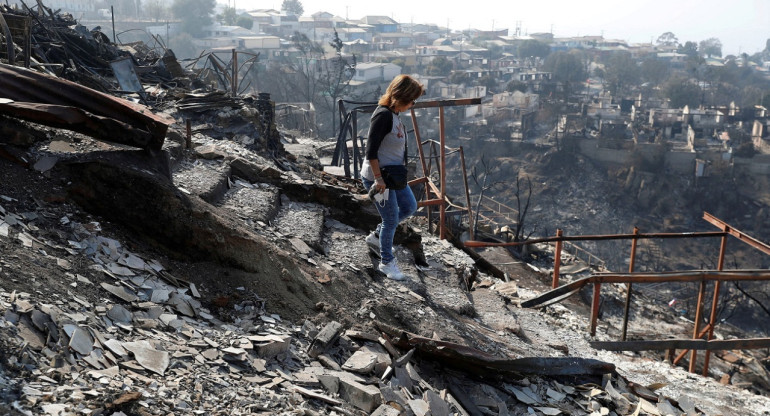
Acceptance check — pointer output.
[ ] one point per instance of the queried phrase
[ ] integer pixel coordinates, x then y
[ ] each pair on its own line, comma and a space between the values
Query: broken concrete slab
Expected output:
361, 362
268, 346
148, 356
258, 203
207, 180
364, 397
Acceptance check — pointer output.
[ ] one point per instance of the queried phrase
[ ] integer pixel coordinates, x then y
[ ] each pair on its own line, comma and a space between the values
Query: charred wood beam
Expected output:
25, 86
481, 363
80, 121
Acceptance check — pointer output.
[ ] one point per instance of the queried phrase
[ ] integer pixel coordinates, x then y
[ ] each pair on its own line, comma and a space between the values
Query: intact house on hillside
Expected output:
372, 78
381, 24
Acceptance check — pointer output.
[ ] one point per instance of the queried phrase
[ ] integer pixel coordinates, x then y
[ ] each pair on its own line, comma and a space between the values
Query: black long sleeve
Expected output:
381, 125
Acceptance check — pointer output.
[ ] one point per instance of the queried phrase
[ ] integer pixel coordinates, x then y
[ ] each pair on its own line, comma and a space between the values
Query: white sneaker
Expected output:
391, 270
373, 241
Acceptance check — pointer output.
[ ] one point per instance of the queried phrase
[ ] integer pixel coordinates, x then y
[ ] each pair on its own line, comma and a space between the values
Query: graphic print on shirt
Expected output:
400, 130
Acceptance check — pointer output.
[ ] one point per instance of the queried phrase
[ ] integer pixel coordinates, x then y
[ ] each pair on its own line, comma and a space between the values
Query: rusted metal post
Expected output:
595, 307
631, 263
442, 169
234, 76
714, 303
556, 260
356, 156
467, 194
696, 330
188, 137
418, 139
112, 13
684, 352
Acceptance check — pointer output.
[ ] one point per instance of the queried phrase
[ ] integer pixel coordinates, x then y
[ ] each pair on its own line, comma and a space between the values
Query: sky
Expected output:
741, 25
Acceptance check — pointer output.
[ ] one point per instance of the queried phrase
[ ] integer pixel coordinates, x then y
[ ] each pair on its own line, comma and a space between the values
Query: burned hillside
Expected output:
212, 268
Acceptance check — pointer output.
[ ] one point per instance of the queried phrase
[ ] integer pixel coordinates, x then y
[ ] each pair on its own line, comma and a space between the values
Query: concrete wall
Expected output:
758, 165
676, 161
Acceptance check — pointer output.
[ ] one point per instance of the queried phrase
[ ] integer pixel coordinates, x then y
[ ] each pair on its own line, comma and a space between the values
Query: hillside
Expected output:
220, 280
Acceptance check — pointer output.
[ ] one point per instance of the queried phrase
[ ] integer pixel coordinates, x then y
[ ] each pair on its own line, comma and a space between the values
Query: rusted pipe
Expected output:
629, 286
714, 303
442, 172
234, 76
556, 261
595, 307
696, 330
602, 237
467, 194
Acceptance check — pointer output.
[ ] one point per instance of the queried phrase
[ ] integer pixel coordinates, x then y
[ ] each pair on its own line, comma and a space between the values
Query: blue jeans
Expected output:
399, 206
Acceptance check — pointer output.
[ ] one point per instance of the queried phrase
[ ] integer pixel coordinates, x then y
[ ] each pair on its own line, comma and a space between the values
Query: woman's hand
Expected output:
379, 184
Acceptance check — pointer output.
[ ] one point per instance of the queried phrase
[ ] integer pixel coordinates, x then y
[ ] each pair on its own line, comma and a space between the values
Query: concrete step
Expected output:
301, 220
204, 178
253, 203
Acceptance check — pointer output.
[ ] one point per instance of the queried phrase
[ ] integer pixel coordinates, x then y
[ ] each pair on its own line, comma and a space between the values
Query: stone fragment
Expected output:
328, 362
119, 314
40, 319
119, 270
361, 362
385, 410
132, 261
116, 347
45, 163
268, 346
54, 409
209, 152
437, 406
181, 305
419, 407
148, 357
120, 291
159, 296
364, 397
324, 339
211, 354
81, 342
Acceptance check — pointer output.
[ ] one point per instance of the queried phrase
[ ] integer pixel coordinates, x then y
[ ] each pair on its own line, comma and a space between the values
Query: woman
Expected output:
386, 146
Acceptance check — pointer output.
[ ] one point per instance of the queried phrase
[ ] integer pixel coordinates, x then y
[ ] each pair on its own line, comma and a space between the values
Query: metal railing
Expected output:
702, 276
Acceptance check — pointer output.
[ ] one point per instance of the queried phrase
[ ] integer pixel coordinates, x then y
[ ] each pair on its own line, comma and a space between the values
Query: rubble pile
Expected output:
153, 349
216, 274
62, 47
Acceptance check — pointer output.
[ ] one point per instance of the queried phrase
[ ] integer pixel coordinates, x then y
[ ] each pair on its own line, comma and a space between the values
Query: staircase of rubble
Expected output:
261, 207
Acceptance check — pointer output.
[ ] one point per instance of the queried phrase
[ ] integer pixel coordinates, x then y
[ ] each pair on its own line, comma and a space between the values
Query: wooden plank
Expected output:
692, 344
556, 295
